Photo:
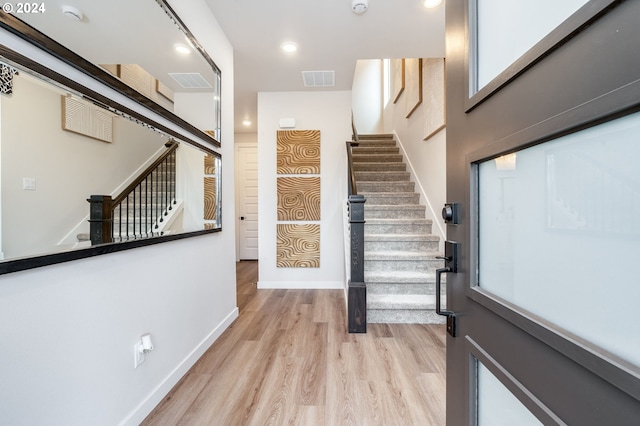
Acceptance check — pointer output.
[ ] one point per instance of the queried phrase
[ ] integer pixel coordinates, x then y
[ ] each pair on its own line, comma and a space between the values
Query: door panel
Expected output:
247, 192
535, 296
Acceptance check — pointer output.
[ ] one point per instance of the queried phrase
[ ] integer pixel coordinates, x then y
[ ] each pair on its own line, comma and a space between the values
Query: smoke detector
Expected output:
72, 13
359, 6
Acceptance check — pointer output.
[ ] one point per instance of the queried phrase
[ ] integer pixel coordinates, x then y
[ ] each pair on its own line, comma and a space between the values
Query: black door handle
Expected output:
241, 217
450, 265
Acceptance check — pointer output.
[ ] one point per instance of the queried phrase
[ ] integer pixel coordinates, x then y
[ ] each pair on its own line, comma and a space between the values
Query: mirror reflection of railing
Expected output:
143, 209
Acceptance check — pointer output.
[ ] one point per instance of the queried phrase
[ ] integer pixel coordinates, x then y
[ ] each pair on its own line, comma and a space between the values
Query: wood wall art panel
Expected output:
434, 96
209, 164
298, 151
210, 199
397, 78
85, 119
413, 84
298, 246
299, 198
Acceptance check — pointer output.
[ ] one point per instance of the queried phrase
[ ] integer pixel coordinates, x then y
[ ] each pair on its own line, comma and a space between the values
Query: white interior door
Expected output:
247, 193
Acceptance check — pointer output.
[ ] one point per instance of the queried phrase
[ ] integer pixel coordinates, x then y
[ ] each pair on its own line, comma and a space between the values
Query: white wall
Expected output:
367, 96
67, 331
426, 159
329, 112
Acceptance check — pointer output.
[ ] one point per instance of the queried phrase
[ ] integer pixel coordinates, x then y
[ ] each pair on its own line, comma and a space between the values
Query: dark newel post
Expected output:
357, 309
100, 219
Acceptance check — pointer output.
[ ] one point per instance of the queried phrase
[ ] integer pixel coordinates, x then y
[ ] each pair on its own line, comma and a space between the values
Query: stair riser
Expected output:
389, 167
411, 246
393, 214
414, 228
375, 150
404, 316
365, 144
377, 158
385, 186
403, 288
376, 137
427, 265
381, 176
395, 200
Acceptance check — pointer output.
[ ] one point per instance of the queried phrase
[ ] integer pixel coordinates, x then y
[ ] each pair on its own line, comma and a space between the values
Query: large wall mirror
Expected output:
81, 175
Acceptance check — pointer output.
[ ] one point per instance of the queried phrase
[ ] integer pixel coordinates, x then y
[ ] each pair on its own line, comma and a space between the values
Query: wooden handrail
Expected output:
172, 146
353, 188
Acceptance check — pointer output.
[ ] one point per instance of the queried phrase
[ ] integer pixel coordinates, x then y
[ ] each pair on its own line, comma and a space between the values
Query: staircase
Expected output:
142, 209
400, 251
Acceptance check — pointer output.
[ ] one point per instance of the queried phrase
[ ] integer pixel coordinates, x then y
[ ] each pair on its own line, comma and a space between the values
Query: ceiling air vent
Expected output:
319, 78
190, 80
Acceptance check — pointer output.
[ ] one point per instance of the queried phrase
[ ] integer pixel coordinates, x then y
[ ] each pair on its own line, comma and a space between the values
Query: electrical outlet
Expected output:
138, 355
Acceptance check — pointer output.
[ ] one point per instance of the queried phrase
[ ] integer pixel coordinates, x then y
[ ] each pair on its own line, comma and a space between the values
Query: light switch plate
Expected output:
29, 184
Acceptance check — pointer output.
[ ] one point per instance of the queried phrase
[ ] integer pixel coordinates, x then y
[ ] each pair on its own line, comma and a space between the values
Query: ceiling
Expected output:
328, 34
329, 37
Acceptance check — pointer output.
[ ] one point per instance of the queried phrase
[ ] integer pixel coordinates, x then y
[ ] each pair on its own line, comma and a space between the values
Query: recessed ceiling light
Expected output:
289, 46
246, 123
182, 49
432, 3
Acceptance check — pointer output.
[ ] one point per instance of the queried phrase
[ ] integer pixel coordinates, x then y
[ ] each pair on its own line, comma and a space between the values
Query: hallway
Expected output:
288, 359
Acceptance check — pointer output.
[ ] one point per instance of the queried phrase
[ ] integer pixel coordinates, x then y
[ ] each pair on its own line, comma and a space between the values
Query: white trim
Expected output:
423, 195
156, 396
302, 285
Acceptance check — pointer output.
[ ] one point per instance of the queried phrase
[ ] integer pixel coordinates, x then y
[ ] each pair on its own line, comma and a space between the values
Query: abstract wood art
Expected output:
86, 119
413, 84
298, 198
434, 92
298, 151
210, 198
298, 246
397, 79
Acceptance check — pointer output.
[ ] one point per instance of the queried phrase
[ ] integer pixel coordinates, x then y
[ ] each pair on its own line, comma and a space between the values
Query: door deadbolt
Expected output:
450, 213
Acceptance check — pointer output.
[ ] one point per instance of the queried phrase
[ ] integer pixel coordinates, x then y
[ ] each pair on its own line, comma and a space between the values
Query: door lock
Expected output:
450, 213
450, 265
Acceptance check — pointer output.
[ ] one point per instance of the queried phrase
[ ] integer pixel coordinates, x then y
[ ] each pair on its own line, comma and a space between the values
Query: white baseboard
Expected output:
301, 285
154, 398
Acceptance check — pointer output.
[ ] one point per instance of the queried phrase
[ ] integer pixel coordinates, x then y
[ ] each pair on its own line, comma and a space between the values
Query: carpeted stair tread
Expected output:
401, 301
409, 277
401, 237
400, 255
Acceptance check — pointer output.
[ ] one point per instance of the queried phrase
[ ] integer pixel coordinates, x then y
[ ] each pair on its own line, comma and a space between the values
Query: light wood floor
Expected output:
288, 360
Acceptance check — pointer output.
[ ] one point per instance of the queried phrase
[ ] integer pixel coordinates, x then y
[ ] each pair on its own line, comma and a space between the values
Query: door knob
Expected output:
241, 217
